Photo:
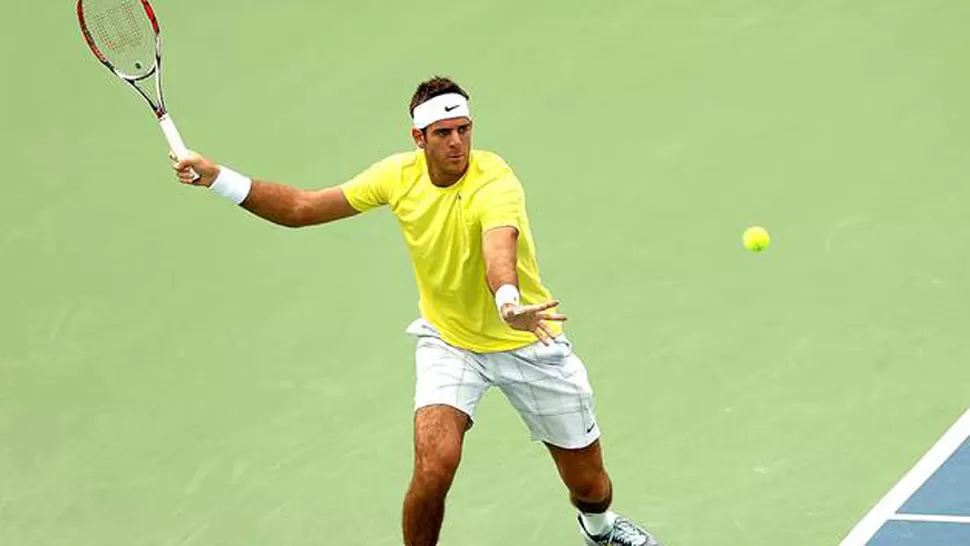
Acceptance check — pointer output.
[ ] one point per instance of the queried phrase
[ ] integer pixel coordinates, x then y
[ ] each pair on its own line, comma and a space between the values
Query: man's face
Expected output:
447, 144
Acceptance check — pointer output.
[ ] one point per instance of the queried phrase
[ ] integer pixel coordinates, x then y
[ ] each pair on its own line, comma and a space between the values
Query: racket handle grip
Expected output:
173, 137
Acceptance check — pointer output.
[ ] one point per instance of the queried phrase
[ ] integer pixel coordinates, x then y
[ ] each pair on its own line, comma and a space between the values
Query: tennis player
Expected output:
485, 317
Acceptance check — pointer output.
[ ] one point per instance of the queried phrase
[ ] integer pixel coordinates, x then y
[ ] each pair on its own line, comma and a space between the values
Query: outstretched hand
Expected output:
532, 318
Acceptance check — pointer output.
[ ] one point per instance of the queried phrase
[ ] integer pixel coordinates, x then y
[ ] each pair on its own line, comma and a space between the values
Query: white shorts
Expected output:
548, 385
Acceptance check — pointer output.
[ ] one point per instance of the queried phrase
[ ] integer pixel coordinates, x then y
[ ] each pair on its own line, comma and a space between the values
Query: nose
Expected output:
454, 140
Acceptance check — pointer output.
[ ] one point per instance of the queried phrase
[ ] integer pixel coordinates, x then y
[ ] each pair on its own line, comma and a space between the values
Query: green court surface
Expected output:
174, 372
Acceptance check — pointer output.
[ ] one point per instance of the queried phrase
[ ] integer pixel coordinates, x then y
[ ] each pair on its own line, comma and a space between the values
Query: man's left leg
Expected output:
591, 492
549, 387
582, 472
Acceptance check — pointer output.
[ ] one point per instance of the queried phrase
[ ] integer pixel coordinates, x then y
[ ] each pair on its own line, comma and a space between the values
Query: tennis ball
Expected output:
756, 239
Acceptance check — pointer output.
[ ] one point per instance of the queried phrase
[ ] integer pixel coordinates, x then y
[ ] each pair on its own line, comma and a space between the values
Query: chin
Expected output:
457, 167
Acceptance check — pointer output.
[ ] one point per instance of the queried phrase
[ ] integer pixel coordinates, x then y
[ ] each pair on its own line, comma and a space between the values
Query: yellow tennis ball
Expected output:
756, 239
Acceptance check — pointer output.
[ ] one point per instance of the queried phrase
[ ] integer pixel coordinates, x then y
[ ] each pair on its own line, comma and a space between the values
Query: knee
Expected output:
436, 470
438, 435
592, 487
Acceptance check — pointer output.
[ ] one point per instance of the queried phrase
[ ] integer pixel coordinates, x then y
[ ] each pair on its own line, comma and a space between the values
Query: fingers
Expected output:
545, 329
190, 179
191, 159
539, 307
180, 164
543, 333
531, 318
187, 169
187, 176
187, 163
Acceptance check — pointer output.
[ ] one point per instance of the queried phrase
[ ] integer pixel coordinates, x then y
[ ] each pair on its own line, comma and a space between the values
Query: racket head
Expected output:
123, 34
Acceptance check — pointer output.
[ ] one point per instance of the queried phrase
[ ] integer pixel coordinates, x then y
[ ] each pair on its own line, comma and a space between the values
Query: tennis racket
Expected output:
124, 35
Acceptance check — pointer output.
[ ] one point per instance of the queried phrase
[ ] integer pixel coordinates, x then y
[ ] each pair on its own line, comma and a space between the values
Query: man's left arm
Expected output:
500, 247
503, 210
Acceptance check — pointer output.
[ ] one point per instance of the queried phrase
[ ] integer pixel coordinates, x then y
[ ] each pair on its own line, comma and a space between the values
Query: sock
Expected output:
598, 524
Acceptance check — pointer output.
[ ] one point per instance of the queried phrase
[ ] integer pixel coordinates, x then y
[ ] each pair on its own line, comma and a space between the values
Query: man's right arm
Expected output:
293, 207
283, 205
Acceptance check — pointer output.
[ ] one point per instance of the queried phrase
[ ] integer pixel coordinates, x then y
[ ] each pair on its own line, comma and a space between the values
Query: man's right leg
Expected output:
438, 434
449, 384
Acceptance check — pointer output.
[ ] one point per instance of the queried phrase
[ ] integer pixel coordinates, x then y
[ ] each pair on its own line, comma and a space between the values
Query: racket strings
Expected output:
123, 33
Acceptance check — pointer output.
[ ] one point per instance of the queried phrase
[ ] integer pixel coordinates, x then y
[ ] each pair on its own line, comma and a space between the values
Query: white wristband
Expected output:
507, 293
231, 185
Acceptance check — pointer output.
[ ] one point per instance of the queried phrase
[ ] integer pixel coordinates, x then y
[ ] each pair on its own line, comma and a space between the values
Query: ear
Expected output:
418, 136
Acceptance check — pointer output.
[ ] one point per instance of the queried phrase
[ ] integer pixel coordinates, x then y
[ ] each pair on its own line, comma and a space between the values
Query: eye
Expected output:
463, 129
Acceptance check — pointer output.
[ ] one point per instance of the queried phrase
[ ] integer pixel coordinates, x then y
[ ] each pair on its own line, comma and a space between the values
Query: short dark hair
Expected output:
430, 89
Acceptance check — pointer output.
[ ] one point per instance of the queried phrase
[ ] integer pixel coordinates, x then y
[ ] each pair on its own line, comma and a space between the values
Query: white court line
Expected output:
930, 518
887, 507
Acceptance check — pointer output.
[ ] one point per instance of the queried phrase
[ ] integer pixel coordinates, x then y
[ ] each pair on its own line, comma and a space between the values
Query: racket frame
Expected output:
157, 104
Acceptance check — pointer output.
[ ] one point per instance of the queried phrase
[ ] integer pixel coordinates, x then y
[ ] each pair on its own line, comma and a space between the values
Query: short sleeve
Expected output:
371, 188
501, 203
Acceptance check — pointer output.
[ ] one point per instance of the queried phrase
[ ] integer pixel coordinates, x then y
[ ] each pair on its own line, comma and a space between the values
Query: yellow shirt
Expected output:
443, 229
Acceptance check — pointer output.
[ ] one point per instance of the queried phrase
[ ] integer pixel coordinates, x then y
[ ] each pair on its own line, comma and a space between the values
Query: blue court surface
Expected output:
930, 506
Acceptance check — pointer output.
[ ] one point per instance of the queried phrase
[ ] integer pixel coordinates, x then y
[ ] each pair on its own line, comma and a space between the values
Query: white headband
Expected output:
441, 107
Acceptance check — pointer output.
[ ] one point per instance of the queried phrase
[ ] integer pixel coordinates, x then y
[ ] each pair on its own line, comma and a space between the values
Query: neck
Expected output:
443, 180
